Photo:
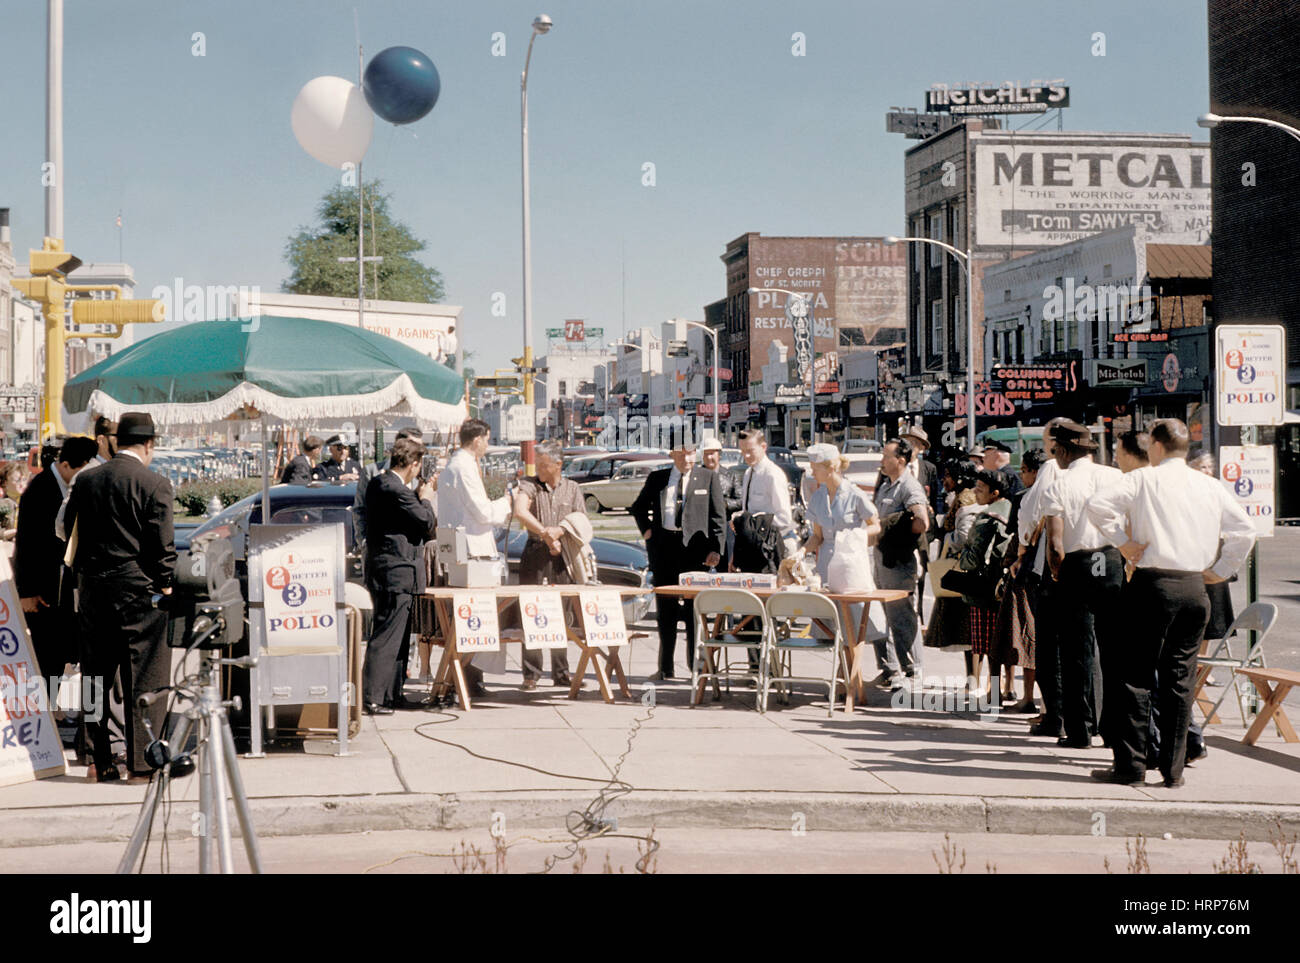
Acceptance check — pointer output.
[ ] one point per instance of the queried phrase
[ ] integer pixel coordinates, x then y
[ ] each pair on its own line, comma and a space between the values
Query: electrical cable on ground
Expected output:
585, 824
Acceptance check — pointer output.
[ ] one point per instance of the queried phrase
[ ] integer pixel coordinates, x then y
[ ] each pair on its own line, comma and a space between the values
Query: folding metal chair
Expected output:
785, 639
748, 630
1258, 617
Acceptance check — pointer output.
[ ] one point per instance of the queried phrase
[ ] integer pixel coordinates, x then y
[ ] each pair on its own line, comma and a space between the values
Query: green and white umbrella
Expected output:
294, 369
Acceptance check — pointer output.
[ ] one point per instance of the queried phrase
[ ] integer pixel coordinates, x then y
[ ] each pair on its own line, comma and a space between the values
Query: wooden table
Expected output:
1272, 695
855, 684
451, 668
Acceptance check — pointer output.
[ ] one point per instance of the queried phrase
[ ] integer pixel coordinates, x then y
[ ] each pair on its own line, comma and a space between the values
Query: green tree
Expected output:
314, 252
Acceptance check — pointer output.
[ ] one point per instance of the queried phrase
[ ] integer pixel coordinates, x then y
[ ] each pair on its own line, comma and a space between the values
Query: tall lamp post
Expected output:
1211, 121
801, 306
963, 259
541, 25
713, 333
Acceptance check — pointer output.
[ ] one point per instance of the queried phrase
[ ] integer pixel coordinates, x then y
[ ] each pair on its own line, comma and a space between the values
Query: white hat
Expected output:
823, 453
711, 445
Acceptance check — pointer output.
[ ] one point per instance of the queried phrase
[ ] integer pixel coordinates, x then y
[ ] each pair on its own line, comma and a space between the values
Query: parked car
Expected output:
621, 490
602, 467
863, 470
861, 445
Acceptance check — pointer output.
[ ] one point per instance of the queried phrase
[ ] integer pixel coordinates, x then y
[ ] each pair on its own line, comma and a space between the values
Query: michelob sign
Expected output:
1249, 374
476, 622
1249, 473
602, 617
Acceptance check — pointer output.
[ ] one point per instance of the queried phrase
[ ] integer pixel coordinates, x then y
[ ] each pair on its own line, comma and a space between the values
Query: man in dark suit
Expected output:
339, 466
38, 560
371, 471
303, 468
398, 522
120, 518
682, 516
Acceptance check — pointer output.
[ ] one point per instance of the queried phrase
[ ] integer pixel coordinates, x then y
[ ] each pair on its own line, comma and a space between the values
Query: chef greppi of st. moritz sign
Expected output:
542, 616
602, 617
476, 622
299, 598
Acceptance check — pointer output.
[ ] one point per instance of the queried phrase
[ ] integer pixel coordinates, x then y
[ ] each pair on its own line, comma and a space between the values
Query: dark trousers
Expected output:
384, 671
1047, 664
53, 644
669, 564
538, 566
1169, 614
1089, 589
125, 636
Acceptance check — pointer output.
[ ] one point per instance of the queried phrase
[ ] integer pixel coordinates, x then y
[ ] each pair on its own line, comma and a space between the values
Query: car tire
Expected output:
593, 504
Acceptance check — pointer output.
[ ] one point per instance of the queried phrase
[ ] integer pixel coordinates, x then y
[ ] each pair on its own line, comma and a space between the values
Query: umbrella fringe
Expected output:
399, 398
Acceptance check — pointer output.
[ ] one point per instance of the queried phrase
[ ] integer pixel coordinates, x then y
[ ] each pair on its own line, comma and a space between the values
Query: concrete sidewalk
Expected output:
536, 757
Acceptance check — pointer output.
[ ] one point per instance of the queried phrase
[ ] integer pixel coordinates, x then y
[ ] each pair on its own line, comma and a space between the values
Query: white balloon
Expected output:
332, 121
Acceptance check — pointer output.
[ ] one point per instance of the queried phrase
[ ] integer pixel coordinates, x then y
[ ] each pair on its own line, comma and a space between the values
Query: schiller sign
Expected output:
1006, 98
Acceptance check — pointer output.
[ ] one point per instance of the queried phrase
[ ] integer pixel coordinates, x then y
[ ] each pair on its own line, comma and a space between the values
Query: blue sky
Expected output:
198, 154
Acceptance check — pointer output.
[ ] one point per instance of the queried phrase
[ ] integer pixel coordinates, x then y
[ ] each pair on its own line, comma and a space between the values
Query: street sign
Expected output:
1249, 374
521, 423
507, 382
1116, 373
1249, 474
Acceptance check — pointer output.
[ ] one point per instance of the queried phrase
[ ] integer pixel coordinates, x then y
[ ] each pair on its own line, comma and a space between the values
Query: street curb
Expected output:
477, 813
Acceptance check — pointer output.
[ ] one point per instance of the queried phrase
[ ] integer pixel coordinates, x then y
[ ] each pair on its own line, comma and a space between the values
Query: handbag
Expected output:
945, 563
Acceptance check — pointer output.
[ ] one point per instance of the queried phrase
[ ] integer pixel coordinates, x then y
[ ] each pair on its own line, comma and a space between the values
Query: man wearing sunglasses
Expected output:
338, 466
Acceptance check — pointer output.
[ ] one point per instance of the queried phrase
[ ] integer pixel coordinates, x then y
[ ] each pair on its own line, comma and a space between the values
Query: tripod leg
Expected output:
206, 794
217, 802
153, 798
241, 800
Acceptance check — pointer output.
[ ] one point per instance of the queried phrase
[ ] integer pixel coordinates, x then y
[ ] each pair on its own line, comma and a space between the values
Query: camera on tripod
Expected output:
206, 604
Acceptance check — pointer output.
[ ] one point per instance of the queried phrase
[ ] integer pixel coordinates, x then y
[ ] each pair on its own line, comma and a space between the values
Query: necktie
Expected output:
677, 505
744, 500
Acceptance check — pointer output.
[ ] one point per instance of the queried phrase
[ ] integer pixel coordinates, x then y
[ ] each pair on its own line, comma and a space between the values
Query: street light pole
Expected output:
541, 25
964, 261
1211, 121
712, 332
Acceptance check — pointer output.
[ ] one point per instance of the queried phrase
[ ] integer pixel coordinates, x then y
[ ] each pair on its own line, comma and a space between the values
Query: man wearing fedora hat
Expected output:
1089, 572
119, 518
923, 471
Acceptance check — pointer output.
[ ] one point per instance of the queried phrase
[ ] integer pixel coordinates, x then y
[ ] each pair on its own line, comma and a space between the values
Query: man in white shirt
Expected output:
1169, 521
463, 503
1089, 573
765, 489
1032, 537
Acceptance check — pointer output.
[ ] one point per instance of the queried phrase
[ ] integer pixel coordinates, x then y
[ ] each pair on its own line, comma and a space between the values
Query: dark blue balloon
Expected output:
401, 84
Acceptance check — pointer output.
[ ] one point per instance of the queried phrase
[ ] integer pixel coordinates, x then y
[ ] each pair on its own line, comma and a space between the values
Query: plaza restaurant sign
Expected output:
1054, 191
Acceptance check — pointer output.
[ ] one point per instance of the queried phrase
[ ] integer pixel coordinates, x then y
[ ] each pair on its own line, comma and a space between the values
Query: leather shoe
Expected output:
529, 685
660, 677
375, 709
562, 679
1118, 778
1196, 758
1043, 730
405, 703
1173, 783
1066, 742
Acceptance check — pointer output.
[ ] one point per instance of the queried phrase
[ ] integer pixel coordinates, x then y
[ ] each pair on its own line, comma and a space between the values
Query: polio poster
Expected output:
602, 617
542, 616
476, 621
300, 567
1248, 472
30, 747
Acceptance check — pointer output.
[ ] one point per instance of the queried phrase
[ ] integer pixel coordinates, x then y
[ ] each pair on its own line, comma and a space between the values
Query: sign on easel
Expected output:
602, 617
476, 622
1248, 472
297, 625
542, 616
1250, 374
30, 747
